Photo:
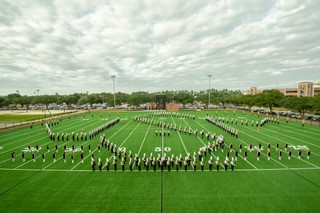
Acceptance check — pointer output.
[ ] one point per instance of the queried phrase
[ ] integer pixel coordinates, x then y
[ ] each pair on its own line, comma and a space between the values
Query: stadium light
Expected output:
114, 92
38, 91
209, 76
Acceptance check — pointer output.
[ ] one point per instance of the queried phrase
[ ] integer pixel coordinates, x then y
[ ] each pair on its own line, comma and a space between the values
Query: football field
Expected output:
42, 184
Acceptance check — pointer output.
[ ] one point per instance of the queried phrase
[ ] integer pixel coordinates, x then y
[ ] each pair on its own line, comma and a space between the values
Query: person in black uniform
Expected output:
93, 165
169, 163
226, 163
185, 162
72, 157
299, 153
308, 153
269, 154
100, 164
245, 154
233, 164
289, 154
139, 165
177, 163
130, 164
43, 159
89, 148
280, 154
122, 164
218, 163
194, 165
154, 164
12, 156
33, 157
240, 147
202, 164
285, 146
64, 157
54, 156
23, 157
82, 157
48, 148
115, 163
236, 155
210, 162
162, 164
258, 155
107, 164
57, 148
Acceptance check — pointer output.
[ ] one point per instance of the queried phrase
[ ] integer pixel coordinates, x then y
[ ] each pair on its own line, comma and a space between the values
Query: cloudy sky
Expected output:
69, 46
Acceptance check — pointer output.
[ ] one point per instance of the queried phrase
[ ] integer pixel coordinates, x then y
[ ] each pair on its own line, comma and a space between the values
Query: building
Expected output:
304, 89
172, 107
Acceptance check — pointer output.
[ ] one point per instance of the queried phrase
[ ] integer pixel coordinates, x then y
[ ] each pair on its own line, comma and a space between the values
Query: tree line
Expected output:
268, 98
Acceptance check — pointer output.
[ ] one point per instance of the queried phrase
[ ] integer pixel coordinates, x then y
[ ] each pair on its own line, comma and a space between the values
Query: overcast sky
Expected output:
74, 46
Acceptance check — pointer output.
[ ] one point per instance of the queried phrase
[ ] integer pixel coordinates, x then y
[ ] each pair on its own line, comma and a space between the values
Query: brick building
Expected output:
304, 89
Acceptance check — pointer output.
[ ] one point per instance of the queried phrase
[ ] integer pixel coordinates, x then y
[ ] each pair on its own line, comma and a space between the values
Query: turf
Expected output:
27, 117
254, 186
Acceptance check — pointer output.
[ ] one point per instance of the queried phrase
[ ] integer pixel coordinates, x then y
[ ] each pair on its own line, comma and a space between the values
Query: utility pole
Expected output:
209, 76
114, 92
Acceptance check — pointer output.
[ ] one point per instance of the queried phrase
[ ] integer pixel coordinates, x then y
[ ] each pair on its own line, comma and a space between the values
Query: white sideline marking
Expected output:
180, 170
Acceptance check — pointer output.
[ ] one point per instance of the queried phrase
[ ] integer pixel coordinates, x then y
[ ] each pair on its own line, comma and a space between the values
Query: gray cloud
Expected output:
74, 46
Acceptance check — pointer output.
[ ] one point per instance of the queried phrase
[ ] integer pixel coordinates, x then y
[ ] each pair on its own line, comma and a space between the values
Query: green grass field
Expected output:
28, 117
254, 186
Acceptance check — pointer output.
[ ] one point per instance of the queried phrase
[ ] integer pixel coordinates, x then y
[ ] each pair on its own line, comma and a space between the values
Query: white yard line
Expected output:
180, 138
145, 136
238, 170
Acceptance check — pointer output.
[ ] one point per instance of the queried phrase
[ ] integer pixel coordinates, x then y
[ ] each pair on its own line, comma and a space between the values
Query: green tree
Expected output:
2, 101
24, 101
315, 103
184, 97
44, 99
248, 100
269, 98
138, 98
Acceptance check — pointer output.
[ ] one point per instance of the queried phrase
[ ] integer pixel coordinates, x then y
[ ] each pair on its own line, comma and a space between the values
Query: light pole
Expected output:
209, 76
114, 92
38, 91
